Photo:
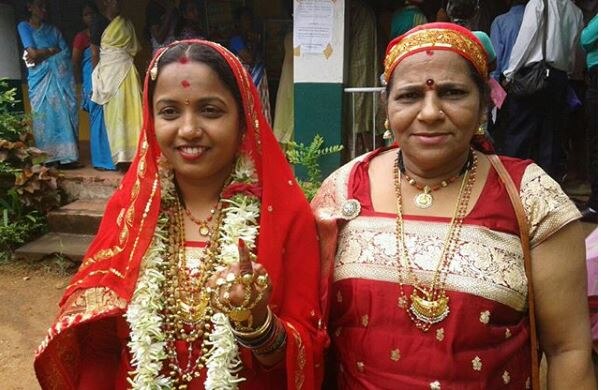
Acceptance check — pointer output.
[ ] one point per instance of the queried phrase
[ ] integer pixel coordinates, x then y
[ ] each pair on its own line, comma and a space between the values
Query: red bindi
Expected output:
183, 60
430, 83
185, 83
430, 52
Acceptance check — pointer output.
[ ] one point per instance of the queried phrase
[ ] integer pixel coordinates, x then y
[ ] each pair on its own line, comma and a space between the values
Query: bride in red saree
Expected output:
206, 226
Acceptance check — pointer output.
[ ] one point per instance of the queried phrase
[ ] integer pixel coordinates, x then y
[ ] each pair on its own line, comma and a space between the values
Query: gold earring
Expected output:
481, 130
387, 134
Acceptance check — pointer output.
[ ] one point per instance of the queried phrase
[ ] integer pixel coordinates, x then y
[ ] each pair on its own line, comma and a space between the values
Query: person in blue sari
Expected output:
100, 151
51, 87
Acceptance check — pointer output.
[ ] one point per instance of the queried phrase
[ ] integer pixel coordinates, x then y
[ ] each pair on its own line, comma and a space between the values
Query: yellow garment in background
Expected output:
117, 87
362, 72
283, 122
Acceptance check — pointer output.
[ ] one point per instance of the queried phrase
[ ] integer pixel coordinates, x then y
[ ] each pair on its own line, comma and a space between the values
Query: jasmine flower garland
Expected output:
144, 314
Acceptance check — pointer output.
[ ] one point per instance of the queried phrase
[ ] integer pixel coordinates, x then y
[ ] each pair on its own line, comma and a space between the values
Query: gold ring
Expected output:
247, 279
262, 280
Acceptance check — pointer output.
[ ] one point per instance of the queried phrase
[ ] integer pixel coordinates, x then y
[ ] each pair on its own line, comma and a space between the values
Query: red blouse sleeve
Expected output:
81, 41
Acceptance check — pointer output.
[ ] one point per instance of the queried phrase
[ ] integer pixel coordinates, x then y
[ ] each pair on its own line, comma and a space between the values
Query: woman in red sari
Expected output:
424, 273
179, 289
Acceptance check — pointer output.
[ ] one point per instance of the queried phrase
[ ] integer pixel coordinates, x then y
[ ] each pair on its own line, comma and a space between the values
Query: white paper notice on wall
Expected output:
313, 25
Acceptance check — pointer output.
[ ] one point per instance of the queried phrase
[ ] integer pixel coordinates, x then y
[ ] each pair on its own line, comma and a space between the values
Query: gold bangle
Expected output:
260, 331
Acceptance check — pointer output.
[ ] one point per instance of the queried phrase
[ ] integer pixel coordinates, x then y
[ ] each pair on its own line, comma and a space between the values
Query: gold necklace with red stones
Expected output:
424, 199
203, 224
429, 305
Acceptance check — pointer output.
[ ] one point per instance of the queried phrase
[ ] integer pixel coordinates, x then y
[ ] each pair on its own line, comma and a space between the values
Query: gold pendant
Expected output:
204, 230
429, 310
423, 200
194, 312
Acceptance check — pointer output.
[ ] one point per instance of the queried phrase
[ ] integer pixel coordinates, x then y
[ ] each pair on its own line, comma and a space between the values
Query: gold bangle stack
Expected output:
260, 331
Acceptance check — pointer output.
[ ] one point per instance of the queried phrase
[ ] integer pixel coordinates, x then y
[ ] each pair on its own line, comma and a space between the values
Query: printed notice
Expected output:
313, 24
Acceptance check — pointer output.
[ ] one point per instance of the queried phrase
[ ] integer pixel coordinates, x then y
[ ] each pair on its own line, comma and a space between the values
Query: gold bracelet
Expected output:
260, 331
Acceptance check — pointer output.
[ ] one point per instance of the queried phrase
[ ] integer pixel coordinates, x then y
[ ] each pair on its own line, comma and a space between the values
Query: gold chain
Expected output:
187, 310
429, 304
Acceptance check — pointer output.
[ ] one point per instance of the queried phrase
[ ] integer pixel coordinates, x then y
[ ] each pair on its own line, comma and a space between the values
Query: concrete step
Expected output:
79, 217
72, 246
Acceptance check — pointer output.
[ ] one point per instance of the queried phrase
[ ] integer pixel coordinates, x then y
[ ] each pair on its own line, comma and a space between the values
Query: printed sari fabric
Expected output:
100, 151
87, 348
52, 95
484, 341
117, 88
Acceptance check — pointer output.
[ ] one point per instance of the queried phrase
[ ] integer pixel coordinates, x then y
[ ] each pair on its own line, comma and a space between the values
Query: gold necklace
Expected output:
430, 304
424, 199
187, 311
203, 224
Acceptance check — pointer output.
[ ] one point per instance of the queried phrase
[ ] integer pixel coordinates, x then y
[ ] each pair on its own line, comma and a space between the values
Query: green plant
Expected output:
28, 189
308, 156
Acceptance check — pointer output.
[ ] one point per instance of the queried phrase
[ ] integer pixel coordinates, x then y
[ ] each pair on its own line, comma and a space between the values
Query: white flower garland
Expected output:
147, 344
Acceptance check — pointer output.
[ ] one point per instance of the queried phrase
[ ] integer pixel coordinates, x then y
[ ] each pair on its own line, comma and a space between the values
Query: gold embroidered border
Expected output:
477, 287
433, 39
80, 307
548, 208
487, 263
113, 270
107, 253
301, 360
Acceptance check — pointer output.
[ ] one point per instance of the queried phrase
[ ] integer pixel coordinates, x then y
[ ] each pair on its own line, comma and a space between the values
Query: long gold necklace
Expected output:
187, 311
429, 305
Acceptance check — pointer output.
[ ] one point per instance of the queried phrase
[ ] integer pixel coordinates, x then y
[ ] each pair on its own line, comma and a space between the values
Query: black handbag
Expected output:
530, 80
533, 79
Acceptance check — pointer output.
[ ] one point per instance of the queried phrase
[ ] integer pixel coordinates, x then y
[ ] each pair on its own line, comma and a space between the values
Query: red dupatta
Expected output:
106, 280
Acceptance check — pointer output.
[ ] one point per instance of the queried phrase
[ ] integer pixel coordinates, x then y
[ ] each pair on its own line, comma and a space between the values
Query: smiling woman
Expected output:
176, 290
426, 260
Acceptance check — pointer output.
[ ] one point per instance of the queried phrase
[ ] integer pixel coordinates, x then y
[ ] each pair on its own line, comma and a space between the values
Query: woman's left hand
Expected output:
242, 291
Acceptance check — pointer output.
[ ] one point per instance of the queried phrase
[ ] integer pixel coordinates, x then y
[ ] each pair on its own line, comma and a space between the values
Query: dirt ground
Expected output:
29, 295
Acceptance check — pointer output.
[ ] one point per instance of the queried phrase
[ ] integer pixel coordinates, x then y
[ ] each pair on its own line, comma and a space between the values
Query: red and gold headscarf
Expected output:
436, 36
104, 285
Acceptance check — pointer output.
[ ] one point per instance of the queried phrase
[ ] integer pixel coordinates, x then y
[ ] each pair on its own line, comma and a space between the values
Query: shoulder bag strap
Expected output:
524, 233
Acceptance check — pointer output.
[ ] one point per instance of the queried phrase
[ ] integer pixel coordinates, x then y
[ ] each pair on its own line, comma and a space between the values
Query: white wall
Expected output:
9, 58
317, 67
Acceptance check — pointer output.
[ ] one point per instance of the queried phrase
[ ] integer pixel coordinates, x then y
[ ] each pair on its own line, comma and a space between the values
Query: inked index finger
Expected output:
246, 266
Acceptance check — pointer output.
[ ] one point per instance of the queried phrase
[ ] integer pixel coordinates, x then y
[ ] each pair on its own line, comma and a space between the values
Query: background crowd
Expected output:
557, 128
103, 58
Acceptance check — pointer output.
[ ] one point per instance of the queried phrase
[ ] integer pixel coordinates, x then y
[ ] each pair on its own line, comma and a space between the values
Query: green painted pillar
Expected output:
318, 74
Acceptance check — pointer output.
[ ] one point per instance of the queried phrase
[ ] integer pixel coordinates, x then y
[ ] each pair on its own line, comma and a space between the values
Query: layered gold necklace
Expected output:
187, 312
429, 304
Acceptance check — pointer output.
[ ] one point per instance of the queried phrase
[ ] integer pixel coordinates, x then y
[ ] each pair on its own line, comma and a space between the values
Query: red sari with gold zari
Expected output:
484, 341
86, 347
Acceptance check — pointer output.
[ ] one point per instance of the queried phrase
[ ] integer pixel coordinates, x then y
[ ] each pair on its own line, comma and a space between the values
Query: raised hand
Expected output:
242, 291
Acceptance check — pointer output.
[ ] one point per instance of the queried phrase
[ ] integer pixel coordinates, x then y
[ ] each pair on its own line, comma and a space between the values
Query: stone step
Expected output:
72, 246
79, 217
89, 184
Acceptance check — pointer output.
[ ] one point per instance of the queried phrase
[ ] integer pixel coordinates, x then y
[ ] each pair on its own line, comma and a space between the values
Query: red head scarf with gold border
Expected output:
436, 36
